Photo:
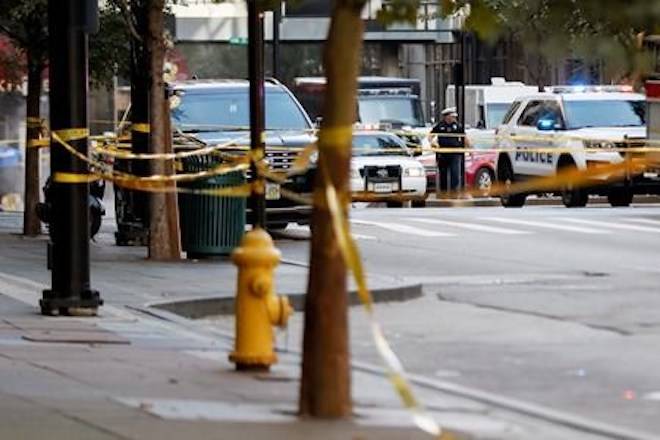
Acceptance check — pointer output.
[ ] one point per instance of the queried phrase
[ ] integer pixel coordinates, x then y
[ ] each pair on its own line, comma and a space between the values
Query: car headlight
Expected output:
414, 172
355, 173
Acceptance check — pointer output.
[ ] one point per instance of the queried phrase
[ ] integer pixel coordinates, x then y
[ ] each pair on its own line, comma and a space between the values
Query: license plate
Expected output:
382, 187
272, 191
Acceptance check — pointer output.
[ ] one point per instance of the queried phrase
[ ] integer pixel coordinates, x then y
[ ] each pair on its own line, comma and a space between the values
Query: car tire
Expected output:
620, 197
277, 227
483, 181
95, 220
394, 204
419, 203
509, 200
573, 197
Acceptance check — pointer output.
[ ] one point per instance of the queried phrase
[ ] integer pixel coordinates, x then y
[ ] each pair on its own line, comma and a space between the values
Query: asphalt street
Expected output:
555, 306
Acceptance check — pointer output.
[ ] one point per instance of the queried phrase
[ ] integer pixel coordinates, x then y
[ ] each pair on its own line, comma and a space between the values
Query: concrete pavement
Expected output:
549, 305
132, 376
127, 374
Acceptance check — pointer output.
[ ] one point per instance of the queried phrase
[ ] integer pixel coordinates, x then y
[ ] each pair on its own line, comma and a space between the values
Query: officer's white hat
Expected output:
449, 111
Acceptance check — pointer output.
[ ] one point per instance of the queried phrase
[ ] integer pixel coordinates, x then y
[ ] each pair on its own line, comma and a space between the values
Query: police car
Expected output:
570, 119
382, 166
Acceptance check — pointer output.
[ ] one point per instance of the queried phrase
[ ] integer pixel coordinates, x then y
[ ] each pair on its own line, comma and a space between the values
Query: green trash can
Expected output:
210, 225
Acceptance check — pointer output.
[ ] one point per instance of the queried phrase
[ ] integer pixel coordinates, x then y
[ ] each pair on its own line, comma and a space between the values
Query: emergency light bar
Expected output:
407, 91
590, 89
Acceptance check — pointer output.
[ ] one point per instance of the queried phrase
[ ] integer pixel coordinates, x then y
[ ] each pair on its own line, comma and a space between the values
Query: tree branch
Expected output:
14, 36
126, 11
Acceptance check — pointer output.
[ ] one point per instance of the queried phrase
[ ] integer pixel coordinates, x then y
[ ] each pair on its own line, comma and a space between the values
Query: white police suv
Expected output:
571, 120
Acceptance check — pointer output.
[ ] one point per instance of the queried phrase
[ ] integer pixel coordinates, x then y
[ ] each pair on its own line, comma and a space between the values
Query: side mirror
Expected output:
318, 121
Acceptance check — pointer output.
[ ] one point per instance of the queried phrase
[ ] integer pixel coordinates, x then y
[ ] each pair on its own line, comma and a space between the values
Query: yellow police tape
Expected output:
140, 127
239, 164
151, 182
63, 177
38, 143
34, 122
532, 149
71, 134
111, 151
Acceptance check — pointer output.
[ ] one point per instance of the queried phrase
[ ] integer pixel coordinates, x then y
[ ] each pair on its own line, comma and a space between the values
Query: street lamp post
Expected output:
69, 21
257, 100
459, 90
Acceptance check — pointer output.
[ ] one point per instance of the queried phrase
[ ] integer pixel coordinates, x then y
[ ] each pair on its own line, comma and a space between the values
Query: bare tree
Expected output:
164, 233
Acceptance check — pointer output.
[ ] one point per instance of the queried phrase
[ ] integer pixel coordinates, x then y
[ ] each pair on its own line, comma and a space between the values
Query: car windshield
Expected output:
482, 141
396, 110
495, 114
378, 145
231, 110
606, 113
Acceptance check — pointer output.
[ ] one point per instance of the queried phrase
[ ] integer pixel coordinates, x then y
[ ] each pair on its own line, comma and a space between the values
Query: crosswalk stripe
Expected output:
302, 228
471, 226
612, 224
547, 225
647, 221
405, 229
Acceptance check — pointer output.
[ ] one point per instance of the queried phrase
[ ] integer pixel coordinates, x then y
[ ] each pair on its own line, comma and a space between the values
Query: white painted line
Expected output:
646, 221
614, 224
363, 236
471, 226
306, 229
404, 229
655, 395
547, 225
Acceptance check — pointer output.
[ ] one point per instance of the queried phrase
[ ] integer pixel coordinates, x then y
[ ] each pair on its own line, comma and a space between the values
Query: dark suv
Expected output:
217, 111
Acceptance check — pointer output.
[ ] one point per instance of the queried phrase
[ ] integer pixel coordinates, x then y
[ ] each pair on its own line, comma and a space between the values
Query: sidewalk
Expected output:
127, 374
124, 276
124, 375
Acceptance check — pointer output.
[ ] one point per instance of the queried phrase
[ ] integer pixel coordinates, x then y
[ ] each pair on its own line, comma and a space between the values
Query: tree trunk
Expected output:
31, 223
164, 234
325, 386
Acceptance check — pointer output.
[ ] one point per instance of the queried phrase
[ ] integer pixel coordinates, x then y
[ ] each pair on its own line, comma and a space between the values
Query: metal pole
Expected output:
69, 226
277, 20
461, 105
257, 101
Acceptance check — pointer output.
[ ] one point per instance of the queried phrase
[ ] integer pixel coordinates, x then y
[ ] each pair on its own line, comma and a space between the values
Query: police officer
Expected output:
449, 133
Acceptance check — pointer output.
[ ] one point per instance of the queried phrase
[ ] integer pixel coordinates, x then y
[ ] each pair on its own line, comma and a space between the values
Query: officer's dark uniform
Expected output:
450, 165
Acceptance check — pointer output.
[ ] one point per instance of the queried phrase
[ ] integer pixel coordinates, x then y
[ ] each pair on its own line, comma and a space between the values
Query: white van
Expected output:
486, 105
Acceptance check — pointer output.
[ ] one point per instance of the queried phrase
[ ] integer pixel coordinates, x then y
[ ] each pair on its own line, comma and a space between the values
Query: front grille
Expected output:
381, 172
281, 160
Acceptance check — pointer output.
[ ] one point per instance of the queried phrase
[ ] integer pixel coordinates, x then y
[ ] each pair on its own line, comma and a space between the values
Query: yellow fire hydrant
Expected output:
258, 308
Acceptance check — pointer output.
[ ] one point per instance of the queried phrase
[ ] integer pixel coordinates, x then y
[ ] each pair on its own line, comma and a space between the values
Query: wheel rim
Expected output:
485, 181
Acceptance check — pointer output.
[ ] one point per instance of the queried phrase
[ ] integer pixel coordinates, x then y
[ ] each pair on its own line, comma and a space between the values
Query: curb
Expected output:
199, 308
550, 201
